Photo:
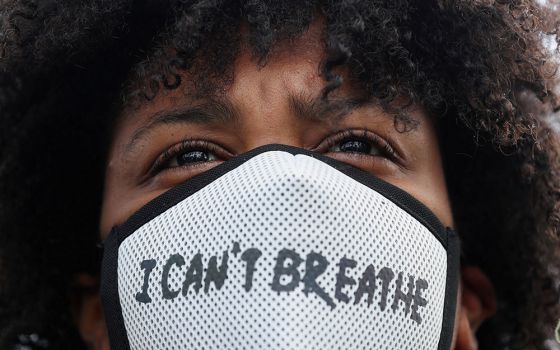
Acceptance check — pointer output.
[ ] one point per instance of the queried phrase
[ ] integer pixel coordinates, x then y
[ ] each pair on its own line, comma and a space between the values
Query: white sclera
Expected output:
273, 201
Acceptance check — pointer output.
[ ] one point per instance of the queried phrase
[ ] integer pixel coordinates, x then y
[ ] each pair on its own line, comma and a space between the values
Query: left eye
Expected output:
356, 142
356, 146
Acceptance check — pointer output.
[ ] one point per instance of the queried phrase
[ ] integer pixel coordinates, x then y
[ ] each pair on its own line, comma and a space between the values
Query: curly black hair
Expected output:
67, 68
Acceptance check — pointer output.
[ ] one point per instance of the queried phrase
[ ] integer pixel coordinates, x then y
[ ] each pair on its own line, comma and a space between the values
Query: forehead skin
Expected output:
260, 99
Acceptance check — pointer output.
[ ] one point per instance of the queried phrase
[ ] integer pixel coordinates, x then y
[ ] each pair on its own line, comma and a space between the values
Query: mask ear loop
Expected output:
99, 248
558, 332
454, 261
463, 260
109, 291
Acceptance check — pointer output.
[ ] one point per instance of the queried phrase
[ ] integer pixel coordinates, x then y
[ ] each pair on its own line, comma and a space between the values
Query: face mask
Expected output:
281, 248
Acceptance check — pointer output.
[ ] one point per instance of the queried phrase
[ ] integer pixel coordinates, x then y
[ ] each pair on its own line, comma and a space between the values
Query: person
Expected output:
106, 105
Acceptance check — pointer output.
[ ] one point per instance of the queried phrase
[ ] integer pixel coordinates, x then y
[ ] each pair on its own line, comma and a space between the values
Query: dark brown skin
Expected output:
261, 111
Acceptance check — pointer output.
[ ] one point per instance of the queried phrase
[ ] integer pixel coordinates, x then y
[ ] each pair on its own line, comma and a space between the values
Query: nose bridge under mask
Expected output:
281, 249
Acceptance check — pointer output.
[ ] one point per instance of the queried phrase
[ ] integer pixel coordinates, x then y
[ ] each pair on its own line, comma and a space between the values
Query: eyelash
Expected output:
361, 135
323, 147
184, 146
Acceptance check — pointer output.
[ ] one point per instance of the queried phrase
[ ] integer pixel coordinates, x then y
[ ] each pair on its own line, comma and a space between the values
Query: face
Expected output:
174, 137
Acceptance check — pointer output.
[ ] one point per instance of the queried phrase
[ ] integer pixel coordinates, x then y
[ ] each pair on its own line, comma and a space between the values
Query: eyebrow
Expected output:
223, 111
320, 108
213, 111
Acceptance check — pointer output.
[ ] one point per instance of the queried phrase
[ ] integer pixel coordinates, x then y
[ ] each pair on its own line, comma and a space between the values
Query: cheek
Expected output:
430, 189
458, 310
119, 204
425, 180
117, 208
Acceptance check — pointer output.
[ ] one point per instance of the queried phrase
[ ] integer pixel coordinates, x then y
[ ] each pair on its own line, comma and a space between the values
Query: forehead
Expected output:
292, 68
211, 67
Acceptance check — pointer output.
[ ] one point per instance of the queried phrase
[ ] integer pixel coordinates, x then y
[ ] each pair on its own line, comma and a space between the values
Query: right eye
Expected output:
188, 154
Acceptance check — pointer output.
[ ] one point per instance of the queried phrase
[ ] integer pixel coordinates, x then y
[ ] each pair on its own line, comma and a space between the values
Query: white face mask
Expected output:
281, 248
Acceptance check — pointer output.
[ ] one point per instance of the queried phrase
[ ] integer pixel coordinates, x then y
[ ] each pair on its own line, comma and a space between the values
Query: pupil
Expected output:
192, 157
355, 146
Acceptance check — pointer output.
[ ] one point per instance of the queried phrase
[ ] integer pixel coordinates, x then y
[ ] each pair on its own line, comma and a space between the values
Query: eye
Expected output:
188, 154
357, 142
362, 149
191, 157
356, 146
